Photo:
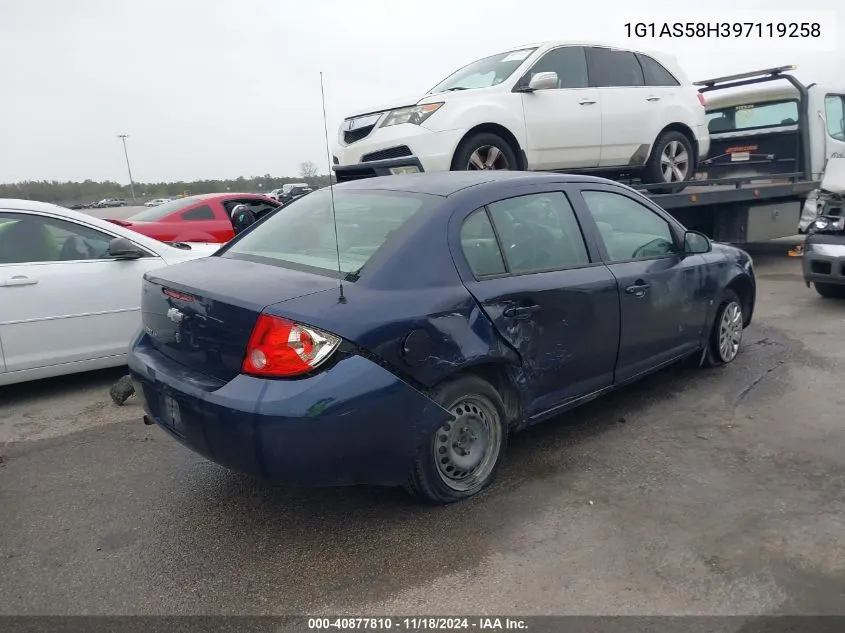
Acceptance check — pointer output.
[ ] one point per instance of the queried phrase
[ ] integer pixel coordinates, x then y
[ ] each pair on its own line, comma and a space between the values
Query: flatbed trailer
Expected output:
739, 210
754, 208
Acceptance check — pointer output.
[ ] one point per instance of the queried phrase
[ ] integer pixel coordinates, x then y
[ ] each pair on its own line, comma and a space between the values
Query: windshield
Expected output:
484, 73
303, 233
158, 212
750, 116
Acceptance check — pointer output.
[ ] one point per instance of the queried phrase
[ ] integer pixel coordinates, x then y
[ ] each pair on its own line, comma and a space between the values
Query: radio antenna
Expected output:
341, 298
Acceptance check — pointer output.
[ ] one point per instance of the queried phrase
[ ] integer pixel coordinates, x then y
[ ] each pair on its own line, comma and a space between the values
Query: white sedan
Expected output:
70, 289
157, 201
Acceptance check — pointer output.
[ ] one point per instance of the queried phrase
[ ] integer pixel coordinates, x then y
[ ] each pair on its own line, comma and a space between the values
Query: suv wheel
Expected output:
672, 161
484, 151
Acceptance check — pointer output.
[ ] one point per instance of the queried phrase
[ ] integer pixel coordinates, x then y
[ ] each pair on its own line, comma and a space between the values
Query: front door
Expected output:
663, 310
558, 309
61, 301
563, 125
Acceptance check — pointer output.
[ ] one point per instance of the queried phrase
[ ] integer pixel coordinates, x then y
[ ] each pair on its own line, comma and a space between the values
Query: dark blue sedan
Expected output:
396, 330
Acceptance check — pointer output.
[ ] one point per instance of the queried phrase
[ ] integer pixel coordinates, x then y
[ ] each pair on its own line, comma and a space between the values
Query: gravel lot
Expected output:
710, 492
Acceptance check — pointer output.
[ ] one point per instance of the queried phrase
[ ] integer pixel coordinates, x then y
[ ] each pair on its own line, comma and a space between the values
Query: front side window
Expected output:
27, 238
539, 232
629, 230
834, 114
570, 64
610, 68
484, 73
304, 234
752, 116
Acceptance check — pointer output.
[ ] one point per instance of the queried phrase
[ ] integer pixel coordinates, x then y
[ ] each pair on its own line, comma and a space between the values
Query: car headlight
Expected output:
829, 224
414, 114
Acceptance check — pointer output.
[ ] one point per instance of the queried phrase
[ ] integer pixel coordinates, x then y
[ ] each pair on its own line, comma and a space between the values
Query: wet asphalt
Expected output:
695, 491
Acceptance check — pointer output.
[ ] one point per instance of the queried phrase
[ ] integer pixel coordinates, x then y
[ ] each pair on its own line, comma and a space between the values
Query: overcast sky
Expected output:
223, 88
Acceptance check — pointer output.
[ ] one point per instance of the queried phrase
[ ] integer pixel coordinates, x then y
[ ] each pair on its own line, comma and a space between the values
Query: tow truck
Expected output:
754, 182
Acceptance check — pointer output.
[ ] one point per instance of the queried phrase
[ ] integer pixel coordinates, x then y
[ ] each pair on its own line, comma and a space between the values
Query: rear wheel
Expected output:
461, 458
672, 162
485, 151
726, 335
830, 291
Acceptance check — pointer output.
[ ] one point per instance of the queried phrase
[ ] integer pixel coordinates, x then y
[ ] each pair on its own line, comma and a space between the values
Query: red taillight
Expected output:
282, 348
702, 100
179, 296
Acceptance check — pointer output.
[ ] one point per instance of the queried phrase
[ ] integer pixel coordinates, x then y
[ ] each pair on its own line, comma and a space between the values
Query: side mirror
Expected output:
696, 243
543, 81
121, 248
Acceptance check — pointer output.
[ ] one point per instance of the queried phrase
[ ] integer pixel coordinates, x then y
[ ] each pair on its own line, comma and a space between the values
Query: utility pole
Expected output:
123, 138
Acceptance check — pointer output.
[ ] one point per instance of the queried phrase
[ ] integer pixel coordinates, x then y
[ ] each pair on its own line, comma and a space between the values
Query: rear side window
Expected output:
478, 242
302, 235
539, 232
752, 116
834, 114
203, 212
570, 64
610, 68
654, 72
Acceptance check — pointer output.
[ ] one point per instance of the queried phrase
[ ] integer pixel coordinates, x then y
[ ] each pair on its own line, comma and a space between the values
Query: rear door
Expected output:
61, 299
632, 113
662, 291
546, 292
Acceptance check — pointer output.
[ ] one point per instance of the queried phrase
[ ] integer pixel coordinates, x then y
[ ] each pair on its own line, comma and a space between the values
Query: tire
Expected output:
655, 172
830, 291
437, 476
476, 150
729, 317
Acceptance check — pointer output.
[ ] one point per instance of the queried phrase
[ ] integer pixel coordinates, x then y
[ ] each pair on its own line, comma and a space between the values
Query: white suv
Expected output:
552, 106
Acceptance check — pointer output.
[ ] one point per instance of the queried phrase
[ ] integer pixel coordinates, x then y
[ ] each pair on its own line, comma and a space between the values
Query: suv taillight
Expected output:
280, 348
702, 100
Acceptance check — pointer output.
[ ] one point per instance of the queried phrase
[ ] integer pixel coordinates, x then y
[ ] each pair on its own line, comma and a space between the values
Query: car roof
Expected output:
446, 183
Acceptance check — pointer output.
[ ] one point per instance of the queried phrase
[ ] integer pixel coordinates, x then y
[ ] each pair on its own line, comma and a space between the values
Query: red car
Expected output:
201, 218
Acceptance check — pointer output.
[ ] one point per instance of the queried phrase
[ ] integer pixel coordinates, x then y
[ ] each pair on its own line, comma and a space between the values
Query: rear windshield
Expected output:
157, 213
303, 233
752, 116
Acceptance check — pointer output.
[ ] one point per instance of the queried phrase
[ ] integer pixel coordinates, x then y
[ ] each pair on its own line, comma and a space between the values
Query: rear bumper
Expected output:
353, 423
823, 260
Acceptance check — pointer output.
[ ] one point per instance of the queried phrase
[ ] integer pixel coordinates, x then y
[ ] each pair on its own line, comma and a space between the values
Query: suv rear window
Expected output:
752, 116
302, 235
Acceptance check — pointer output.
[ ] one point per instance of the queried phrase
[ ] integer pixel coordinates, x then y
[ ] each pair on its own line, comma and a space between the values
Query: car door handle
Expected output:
20, 280
587, 101
652, 98
520, 312
638, 289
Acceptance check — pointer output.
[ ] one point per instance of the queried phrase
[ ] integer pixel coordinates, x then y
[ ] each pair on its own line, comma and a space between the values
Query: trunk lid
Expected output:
207, 329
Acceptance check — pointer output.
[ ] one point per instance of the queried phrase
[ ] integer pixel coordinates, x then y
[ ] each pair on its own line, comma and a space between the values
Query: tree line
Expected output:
69, 193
